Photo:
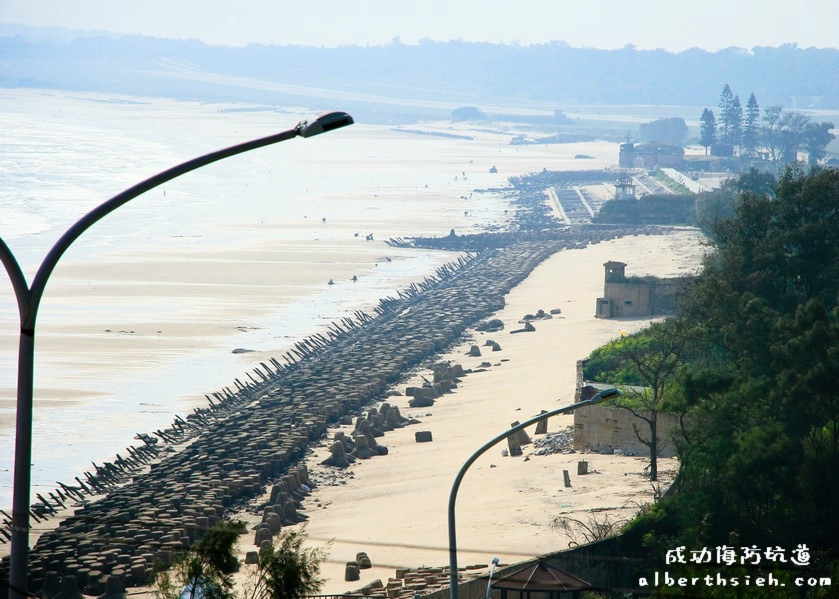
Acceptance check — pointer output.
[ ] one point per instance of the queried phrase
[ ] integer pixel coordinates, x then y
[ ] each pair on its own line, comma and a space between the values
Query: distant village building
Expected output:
650, 156
634, 297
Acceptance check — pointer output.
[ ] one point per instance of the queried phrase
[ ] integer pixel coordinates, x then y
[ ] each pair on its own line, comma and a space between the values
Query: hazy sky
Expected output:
670, 24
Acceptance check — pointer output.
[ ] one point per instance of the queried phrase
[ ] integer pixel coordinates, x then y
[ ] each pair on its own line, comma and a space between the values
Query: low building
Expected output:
650, 156
625, 188
634, 297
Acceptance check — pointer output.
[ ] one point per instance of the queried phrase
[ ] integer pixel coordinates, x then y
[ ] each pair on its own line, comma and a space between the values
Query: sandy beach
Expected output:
394, 507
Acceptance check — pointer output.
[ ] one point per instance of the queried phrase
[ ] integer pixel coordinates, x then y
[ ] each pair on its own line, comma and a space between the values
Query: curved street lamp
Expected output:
29, 298
602, 396
495, 561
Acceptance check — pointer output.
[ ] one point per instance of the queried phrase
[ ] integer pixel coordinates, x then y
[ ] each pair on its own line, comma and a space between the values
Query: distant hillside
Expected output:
424, 79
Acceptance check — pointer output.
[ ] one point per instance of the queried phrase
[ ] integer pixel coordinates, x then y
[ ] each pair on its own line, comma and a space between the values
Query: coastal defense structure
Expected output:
625, 188
634, 297
614, 430
604, 429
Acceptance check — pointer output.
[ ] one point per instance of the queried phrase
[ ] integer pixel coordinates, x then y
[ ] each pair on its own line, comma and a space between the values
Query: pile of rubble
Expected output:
558, 442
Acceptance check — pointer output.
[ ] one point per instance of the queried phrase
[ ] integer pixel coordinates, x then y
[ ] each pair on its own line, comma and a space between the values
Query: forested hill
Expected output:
433, 75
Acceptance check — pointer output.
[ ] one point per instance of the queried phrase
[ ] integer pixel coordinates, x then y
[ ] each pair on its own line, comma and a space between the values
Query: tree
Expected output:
468, 113
671, 131
286, 570
771, 116
756, 182
816, 138
707, 129
725, 106
765, 407
791, 134
759, 455
719, 204
714, 205
646, 363
751, 125
205, 570
735, 119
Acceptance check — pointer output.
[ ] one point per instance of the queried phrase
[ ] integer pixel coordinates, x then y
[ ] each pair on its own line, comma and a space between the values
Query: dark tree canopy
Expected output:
671, 131
771, 116
468, 113
646, 363
816, 138
792, 127
760, 450
783, 134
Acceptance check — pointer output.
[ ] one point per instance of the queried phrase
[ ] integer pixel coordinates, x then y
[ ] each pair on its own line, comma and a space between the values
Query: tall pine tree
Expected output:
735, 118
726, 100
771, 136
707, 129
751, 126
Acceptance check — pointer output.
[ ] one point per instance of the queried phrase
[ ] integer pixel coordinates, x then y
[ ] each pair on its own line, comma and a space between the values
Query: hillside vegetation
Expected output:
757, 379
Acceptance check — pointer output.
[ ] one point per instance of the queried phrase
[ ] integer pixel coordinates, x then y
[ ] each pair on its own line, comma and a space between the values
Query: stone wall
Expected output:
603, 430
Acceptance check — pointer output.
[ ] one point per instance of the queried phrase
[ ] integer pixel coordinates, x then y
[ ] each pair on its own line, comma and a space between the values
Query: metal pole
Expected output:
602, 396
30, 298
495, 561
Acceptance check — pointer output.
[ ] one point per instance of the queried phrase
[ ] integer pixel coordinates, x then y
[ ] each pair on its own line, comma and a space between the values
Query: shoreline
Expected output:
177, 499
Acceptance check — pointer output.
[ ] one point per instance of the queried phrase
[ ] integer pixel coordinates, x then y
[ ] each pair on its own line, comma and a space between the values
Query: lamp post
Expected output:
29, 298
495, 561
602, 396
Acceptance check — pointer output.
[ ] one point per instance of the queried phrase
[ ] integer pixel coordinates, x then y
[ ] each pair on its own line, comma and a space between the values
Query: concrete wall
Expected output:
602, 429
629, 299
632, 298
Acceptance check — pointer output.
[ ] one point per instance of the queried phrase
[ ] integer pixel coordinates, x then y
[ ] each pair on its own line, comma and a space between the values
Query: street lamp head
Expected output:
604, 395
323, 123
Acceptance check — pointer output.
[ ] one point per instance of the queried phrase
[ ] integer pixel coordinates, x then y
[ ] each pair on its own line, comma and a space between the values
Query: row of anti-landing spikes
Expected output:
314, 344
311, 346
390, 303
112, 474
